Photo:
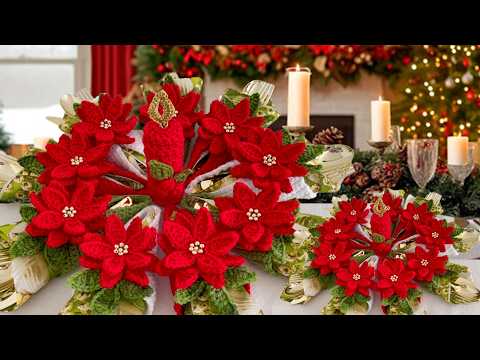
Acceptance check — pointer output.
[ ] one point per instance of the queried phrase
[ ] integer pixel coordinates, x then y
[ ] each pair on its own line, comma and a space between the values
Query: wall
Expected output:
332, 100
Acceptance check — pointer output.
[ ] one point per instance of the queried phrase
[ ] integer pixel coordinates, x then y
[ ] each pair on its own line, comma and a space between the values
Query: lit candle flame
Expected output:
297, 68
380, 98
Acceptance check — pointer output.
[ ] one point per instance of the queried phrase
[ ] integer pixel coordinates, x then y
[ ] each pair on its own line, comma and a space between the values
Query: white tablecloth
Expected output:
266, 290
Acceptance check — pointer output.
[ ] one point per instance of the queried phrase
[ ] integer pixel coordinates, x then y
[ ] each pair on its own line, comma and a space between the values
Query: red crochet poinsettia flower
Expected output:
329, 258
221, 130
196, 249
356, 278
106, 121
412, 217
185, 106
426, 263
75, 157
65, 217
334, 230
257, 218
120, 254
393, 204
270, 162
394, 278
353, 211
435, 235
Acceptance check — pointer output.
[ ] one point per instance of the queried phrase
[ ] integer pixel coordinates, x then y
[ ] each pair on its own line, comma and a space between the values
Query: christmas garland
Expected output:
342, 63
128, 205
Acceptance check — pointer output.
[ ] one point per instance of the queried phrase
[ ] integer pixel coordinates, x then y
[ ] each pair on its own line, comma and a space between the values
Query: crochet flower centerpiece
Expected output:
179, 193
393, 247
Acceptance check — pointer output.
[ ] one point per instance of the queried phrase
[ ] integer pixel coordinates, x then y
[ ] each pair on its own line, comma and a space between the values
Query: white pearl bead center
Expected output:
106, 124
69, 211
121, 249
353, 213
196, 248
338, 231
229, 127
435, 235
332, 257
269, 160
76, 160
416, 217
394, 278
253, 214
424, 262
356, 276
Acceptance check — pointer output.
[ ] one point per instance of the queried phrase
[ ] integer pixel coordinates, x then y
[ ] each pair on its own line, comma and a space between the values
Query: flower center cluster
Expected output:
76, 160
435, 235
337, 231
424, 262
106, 124
269, 160
196, 248
69, 211
229, 127
394, 278
332, 257
387, 208
356, 276
121, 249
253, 214
416, 217
353, 213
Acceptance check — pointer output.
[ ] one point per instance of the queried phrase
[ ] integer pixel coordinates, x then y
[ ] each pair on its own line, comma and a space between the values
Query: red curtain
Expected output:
112, 69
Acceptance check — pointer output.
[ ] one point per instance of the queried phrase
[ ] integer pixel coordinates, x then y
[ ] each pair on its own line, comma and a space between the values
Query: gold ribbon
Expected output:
161, 98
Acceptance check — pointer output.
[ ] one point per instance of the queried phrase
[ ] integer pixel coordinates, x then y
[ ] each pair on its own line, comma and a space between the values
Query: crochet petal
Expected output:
277, 218
204, 225
189, 102
97, 250
253, 231
224, 203
64, 171
212, 125
58, 153
83, 194
114, 230
108, 280
233, 260
54, 198
260, 169
113, 265
217, 146
291, 153
233, 218
220, 111
240, 171
243, 196
74, 227
185, 219
90, 213
185, 278
250, 152
267, 199
97, 153
37, 202
240, 112
221, 243
265, 244
179, 237
280, 172
114, 109
56, 239
270, 140
179, 260
173, 92
288, 206
138, 277
104, 135
216, 280
48, 220
89, 263
35, 231
208, 264
90, 112
137, 260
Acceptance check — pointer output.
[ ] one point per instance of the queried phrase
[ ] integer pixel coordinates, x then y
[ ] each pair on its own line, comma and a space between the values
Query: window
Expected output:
32, 80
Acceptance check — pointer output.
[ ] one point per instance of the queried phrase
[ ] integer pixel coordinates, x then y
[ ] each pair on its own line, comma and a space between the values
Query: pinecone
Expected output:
362, 180
350, 180
370, 193
328, 136
387, 174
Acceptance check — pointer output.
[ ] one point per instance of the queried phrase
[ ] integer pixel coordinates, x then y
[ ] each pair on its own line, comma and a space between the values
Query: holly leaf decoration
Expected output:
27, 212
311, 152
184, 296
238, 276
31, 164
87, 281
26, 245
61, 260
220, 302
105, 301
160, 171
132, 292
183, 175
127, 212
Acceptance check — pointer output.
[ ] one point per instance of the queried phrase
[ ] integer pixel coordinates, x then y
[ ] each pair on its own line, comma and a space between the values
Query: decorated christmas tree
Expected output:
441, 91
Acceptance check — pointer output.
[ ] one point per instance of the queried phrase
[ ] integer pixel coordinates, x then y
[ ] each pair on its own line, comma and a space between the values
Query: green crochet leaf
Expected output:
182, 176
128, 212
27, 212
160, 171
184, 296
238, 276
254, 102
310, 153
220, 302
132, 292
85, 281
105, 301
25, 245
31, 164
61, 260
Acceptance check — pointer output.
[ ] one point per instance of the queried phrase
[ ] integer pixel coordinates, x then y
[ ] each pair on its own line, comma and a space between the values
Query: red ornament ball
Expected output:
470, 95
389, 66
406, 60
161, 68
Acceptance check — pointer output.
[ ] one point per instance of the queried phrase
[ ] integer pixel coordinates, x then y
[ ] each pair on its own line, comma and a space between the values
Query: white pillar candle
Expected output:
40, 142
457, 150
298, 97
381, 123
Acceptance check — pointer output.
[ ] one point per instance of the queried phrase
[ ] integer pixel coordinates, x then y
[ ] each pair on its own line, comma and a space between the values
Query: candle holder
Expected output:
460, 172
298, 133
380, 146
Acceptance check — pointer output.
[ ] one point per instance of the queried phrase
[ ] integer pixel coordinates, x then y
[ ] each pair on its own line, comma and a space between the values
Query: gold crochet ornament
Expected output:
161, 98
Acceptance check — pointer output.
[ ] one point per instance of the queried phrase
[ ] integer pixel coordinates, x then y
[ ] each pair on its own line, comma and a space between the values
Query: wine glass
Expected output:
422, 160
460, 172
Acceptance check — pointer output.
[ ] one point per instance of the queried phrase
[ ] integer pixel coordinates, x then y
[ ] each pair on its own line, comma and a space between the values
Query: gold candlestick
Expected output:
298, 133
380, 146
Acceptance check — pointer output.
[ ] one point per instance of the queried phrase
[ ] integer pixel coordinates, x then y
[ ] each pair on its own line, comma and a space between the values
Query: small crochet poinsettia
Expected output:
222, 129
395, 278
121, 254
107, 122
426, 263
334, 230
414, 216
74, 157
64, 216
197, 249
329, 258
435, 235
269, 162
354, 211
184, 105
356, 278
257, 218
